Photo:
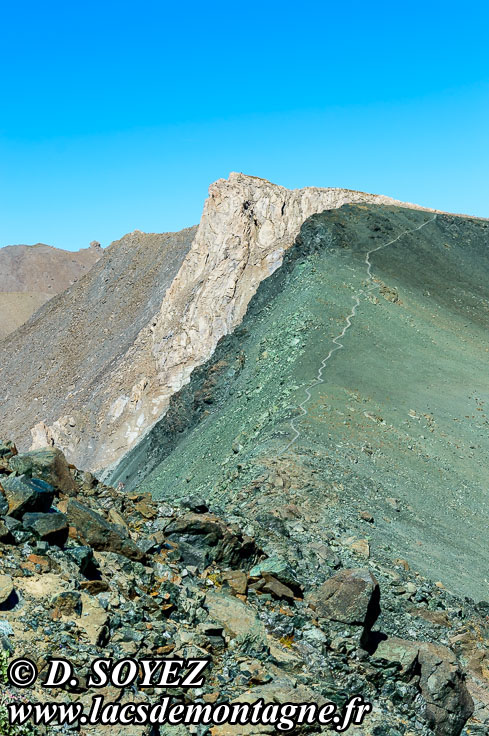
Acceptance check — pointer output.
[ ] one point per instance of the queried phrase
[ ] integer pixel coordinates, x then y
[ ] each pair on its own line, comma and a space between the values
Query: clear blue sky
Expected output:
116, 116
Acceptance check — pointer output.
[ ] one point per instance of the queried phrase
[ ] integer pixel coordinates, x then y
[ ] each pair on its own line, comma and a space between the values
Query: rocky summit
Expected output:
116, 347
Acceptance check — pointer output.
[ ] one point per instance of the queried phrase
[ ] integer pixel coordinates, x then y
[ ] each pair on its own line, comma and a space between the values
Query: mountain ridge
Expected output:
246, 226
30, 275
390, 416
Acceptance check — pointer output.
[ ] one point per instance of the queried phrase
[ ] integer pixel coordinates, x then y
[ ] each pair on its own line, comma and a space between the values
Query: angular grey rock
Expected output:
48, 464
204, 538
94, 530
239, 621
350, 597
278, 568
448, 702
25, 494
52, 528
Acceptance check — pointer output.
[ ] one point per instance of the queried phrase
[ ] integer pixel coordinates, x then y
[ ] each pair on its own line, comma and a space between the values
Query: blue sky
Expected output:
116, 116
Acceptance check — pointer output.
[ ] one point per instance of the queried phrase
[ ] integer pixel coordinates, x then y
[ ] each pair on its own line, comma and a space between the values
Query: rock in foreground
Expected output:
125, 584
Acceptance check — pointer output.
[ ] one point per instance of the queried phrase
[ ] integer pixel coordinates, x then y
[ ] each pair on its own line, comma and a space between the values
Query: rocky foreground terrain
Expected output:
88, 571
30, 275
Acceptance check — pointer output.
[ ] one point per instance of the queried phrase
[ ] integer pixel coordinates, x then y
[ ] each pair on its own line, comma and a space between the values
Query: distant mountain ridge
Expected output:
57, 364
30, 275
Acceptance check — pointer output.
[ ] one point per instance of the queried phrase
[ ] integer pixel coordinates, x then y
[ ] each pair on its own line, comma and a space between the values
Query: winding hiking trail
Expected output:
338, 345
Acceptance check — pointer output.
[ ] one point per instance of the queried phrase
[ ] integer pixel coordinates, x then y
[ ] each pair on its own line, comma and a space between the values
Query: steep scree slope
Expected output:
398, 428
32, 274
55, 365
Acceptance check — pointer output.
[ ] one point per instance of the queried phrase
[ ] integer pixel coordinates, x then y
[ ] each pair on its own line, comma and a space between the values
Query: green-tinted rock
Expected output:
94, 530
52, 528
49, 465
7, 449
3, 502
83, 557
278, 568
399, 652
25, 494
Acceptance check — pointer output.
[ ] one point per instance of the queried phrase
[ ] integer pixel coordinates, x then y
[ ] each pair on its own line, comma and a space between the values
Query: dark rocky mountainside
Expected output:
30, 275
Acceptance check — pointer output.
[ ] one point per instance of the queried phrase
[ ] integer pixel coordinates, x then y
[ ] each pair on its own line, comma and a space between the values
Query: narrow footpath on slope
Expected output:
337, 345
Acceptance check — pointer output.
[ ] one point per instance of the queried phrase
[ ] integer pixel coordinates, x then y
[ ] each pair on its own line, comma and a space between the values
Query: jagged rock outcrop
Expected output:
30, 275
246, 226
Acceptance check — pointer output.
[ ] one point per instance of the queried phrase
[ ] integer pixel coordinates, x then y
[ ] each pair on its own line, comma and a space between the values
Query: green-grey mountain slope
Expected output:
398, 426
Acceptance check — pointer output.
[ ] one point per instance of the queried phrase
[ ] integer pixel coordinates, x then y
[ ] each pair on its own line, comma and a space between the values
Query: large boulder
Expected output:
48, 464
52, 528
25, 494
447, 702
204, 538
350, 597
239, 621
94, 530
